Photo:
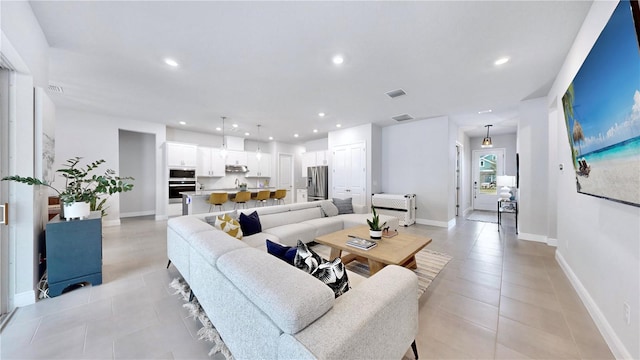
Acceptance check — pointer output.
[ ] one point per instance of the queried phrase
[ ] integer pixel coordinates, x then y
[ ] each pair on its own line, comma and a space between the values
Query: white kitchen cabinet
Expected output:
349, 172
181, 155
235, 157
301, 195
210, 162
258, 168
314, 158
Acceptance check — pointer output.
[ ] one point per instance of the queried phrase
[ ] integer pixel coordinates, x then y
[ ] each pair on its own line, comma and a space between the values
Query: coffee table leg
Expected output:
411, 263
335, 253
375, 266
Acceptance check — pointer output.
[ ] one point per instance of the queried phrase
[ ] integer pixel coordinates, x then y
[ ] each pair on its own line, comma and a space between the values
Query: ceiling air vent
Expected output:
395, 93
402, 117
55, 89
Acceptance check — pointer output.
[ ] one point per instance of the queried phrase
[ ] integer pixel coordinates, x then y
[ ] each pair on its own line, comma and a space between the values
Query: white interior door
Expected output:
357, 173
339, 173
487, 165
285, 175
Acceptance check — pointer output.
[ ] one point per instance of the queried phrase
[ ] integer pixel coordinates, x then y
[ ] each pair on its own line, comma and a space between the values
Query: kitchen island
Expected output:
196, 202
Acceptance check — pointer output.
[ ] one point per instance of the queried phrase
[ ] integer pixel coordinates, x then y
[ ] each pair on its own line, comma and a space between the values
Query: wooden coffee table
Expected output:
398, 250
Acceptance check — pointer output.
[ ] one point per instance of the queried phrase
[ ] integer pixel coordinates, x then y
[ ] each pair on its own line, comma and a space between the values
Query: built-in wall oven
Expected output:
180, 180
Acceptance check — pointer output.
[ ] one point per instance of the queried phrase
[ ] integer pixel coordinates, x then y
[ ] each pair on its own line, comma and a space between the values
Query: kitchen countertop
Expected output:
207, 192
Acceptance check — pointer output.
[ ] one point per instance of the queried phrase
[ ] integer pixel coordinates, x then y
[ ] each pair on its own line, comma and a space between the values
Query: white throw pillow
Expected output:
329, 208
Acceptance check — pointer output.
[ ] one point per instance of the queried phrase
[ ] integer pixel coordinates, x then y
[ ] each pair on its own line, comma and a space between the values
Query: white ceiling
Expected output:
269, 63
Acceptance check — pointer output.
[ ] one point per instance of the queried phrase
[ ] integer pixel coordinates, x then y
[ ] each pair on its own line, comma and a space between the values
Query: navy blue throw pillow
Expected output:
250, 224
286, 253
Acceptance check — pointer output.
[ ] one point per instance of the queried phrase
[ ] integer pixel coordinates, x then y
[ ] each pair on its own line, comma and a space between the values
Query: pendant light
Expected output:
259, 152
223, 150
486, 142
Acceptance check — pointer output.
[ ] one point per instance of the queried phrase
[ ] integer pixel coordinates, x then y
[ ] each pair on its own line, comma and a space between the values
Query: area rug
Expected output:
430, 263
483, 216
208, 332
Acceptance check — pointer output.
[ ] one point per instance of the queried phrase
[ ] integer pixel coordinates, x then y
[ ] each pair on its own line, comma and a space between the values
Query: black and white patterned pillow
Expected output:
334, 275
306, 259
331, 273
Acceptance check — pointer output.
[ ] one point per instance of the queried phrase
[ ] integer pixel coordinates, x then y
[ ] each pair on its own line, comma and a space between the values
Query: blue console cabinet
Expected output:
74, 252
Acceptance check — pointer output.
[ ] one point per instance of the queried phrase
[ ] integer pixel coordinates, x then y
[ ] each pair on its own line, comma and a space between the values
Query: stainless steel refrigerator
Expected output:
317, 183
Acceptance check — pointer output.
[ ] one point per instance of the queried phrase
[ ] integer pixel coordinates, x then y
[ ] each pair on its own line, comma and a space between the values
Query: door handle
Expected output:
4, 209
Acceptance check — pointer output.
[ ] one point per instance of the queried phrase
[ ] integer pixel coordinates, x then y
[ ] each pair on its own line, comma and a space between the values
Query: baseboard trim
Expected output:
24, 298
111, 222
610, 337
161, 217
466, 212
137, 213
444, 224
452, 223
552, 242
532, 237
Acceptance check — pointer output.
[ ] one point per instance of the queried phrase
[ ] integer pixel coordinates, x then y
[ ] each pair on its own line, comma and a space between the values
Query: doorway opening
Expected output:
487, 165
285, 175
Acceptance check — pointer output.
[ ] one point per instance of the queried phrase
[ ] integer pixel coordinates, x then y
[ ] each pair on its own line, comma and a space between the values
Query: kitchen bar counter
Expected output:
196, 202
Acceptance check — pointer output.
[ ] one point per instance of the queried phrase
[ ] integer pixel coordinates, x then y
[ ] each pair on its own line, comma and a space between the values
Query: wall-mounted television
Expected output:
602, 111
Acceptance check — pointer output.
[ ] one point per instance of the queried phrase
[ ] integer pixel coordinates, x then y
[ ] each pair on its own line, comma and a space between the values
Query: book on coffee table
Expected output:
361, 243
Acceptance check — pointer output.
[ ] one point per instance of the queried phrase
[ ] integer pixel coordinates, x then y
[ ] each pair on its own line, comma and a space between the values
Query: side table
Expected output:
507, 206
74, 252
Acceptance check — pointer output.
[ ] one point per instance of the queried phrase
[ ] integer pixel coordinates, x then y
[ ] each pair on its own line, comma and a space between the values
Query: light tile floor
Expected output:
498, 298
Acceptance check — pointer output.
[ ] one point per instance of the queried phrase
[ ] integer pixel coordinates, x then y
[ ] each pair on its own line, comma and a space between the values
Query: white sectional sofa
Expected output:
265, 308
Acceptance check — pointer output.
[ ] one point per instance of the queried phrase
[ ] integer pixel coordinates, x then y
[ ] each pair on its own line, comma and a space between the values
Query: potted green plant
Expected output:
83, 191
375, 228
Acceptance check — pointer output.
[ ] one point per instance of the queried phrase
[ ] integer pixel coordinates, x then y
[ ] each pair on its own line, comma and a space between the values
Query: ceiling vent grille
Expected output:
395, 93
402, 117
55, 89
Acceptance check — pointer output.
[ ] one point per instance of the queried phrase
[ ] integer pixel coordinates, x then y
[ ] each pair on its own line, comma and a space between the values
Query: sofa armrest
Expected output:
360, 209
376, 320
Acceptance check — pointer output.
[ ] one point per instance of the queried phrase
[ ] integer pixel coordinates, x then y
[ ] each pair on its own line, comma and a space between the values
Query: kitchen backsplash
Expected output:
229, 181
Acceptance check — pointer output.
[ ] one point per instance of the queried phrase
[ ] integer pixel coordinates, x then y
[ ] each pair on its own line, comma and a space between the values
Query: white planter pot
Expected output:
376, 235
76, 210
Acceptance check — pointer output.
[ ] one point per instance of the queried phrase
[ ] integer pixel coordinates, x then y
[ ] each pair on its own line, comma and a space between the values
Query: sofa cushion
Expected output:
214, 243
185, 226
282, 252
259, 276
291, 233
344, 205
250, 224
229, 225
258, 240
325, 225
329, 209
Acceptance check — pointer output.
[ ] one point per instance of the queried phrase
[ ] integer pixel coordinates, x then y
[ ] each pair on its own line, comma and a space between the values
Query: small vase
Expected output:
375, 234
76, 210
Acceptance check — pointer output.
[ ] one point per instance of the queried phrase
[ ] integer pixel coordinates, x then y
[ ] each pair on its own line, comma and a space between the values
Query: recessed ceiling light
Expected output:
338, 59
338, 125
219, 128
246, 134
235, 125
321, 114
270, 137
182, 123
485, 111
502, 61
315, 130
171, 62
295, 135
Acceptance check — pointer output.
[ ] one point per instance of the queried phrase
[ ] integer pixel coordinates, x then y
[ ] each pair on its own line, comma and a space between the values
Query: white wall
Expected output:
137, 160
317, 145
416, 160
533, 151
598, 240
92, 137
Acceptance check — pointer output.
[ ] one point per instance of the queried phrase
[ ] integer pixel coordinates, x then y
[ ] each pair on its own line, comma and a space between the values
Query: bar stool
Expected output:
217, 199
241, 198
261, 197
278, 196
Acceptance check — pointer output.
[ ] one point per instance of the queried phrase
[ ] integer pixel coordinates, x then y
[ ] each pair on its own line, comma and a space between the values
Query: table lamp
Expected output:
507, 182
